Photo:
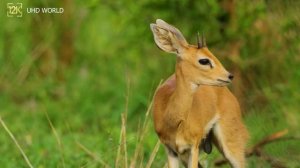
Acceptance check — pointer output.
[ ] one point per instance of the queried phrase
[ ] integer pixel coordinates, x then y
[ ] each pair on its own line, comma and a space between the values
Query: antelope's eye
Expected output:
204, 61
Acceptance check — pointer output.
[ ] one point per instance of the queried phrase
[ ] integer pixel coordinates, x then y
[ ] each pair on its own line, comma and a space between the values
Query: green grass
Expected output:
78, 118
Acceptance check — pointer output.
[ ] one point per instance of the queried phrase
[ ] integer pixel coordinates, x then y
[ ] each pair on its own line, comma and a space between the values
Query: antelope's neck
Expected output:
182, 98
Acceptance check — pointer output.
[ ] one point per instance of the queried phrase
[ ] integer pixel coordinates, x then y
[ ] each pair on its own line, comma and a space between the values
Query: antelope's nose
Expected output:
230, 76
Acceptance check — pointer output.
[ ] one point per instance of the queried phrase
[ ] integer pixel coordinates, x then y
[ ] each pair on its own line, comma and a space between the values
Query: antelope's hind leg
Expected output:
231, 141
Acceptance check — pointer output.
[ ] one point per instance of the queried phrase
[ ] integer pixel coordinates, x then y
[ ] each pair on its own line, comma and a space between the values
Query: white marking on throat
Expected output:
194, 86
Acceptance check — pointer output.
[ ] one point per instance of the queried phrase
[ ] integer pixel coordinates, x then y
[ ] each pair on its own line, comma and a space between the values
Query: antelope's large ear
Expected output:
167, 37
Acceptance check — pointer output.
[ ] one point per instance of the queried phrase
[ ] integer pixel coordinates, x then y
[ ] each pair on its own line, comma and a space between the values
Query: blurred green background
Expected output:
78, 68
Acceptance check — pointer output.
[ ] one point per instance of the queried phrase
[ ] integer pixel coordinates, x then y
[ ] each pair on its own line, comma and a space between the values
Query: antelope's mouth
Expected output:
224, 81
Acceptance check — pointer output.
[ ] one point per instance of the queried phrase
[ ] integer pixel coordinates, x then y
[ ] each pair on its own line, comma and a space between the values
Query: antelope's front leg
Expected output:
173, 161
193, 160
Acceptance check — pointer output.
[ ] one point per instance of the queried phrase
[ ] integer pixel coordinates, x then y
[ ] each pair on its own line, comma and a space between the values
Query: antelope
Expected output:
194, 103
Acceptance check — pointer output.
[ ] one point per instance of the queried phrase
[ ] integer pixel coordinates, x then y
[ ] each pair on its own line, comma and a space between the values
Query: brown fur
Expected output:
183, 115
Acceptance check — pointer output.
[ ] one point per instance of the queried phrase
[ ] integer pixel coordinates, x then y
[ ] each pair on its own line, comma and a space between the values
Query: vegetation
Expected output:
65, 79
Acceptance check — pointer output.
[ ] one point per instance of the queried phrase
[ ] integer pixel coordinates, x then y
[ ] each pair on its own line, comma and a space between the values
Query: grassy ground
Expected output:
69, 131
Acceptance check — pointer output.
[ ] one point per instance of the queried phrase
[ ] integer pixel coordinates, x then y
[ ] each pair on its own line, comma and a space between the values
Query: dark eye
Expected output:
204, 61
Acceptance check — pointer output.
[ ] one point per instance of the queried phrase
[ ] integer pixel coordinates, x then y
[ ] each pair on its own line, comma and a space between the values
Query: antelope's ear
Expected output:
167, 37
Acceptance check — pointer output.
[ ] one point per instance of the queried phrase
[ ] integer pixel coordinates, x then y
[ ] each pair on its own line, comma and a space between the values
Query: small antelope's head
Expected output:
196, 63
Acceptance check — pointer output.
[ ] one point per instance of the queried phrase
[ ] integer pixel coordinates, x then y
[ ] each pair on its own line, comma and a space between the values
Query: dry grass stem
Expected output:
141, 133
122, 148
60, 147
16, 142
153, 154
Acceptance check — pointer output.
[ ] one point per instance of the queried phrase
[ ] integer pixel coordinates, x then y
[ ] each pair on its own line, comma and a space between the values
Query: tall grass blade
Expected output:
16, 142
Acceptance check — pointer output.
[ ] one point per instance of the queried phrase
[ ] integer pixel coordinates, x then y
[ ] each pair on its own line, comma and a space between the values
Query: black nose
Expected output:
230, 76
